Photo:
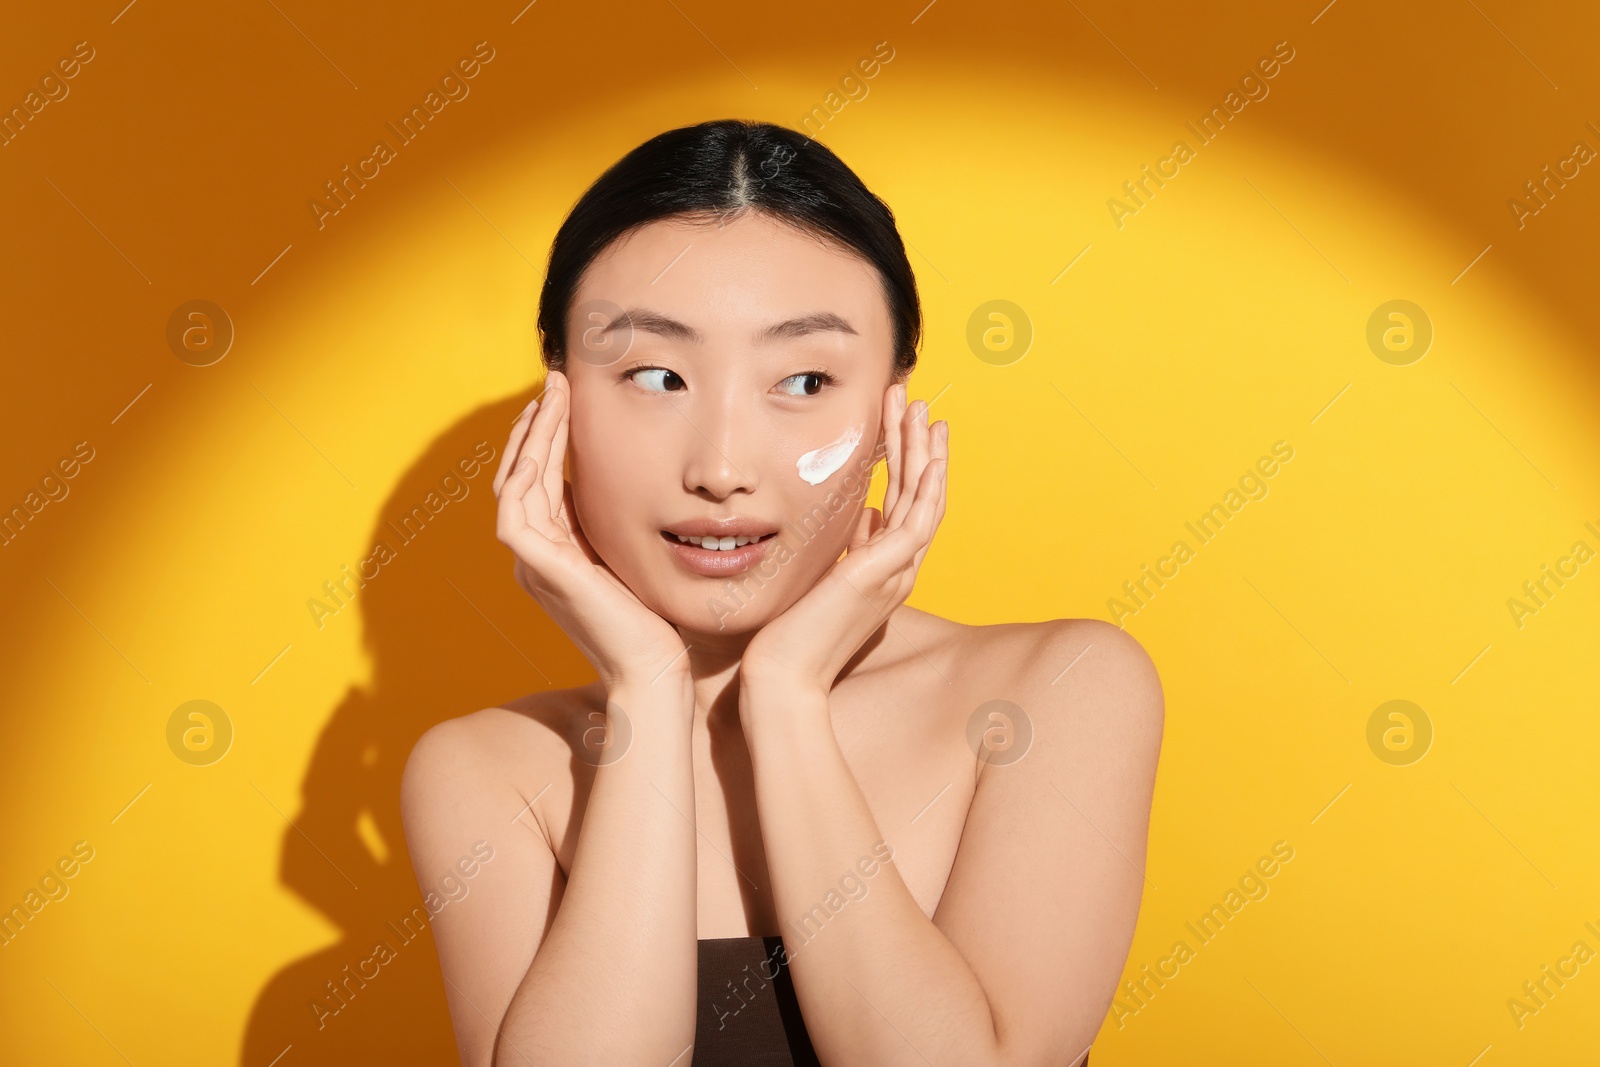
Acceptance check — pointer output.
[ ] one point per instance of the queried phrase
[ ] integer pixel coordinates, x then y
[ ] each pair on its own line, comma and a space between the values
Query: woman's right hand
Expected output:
625, 641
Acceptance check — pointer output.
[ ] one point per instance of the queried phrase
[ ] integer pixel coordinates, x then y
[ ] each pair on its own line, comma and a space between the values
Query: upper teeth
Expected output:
717, 544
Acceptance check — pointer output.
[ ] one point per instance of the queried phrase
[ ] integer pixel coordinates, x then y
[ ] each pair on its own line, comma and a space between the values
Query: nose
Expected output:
723, 443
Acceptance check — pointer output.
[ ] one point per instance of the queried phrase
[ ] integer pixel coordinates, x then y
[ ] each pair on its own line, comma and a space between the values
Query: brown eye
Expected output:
668, 382
821, 379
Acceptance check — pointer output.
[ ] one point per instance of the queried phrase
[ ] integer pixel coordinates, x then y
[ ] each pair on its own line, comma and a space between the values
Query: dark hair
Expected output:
724, 168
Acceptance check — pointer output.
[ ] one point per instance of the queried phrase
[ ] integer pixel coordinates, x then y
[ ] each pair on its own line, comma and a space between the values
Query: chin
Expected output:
743, 622
718, 609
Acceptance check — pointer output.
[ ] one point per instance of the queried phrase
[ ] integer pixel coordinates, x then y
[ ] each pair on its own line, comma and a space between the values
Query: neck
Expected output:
714, 667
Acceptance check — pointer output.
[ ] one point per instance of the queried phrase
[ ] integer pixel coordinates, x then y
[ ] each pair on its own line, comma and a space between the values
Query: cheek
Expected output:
823, 518
820, 464
611, 479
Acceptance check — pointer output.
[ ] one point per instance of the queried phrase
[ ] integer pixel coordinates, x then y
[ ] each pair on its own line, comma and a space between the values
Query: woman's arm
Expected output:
599, 967
602, 968
1020, 961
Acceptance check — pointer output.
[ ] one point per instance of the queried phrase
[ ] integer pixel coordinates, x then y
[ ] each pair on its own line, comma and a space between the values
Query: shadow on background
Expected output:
449, 631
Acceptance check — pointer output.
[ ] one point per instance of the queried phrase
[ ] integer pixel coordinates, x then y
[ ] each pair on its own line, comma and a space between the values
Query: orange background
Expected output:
1228, 313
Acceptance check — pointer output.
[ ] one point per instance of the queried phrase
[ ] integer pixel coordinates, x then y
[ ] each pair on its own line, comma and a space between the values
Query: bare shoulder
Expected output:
493, 756
1051, 859
1055, 650
1102, 670
509, 733
1077, 669
1088, 652
477, 788
1085, 674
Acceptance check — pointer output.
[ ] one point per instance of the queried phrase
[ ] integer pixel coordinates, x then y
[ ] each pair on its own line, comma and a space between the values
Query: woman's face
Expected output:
738, 391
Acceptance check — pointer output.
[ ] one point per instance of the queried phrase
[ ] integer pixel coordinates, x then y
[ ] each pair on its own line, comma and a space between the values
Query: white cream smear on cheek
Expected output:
820, 463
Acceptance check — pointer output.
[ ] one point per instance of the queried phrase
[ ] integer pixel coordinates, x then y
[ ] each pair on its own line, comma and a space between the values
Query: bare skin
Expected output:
753, 768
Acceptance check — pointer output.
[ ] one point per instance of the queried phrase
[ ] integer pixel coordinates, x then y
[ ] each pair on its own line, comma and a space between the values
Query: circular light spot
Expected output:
1399, 332
199, 733
1399, 733
199, 332
999, 332
588, 338
999, 732
599, 738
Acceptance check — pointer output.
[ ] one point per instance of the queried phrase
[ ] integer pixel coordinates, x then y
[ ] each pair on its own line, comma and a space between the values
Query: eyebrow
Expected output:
648, 321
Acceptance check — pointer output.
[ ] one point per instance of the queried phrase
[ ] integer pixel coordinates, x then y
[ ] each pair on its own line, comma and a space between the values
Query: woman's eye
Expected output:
819, 377
657, 379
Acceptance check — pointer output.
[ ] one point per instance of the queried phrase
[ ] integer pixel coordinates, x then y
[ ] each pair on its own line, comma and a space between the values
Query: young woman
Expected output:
793, 819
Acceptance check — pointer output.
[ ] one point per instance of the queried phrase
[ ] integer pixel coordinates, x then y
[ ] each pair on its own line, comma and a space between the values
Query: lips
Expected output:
718, 562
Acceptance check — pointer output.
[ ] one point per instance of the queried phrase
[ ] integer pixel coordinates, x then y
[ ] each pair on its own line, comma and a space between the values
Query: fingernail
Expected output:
524, 462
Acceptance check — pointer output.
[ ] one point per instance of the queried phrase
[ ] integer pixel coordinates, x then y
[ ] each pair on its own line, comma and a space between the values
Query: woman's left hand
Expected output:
810, 643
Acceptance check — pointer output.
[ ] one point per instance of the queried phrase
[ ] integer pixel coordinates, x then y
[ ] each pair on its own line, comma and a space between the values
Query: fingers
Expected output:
906, 544
541, 435
868, 523
525, 530
555, 464
514, 443
914, 458
893, 415
927, 527
930, 490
